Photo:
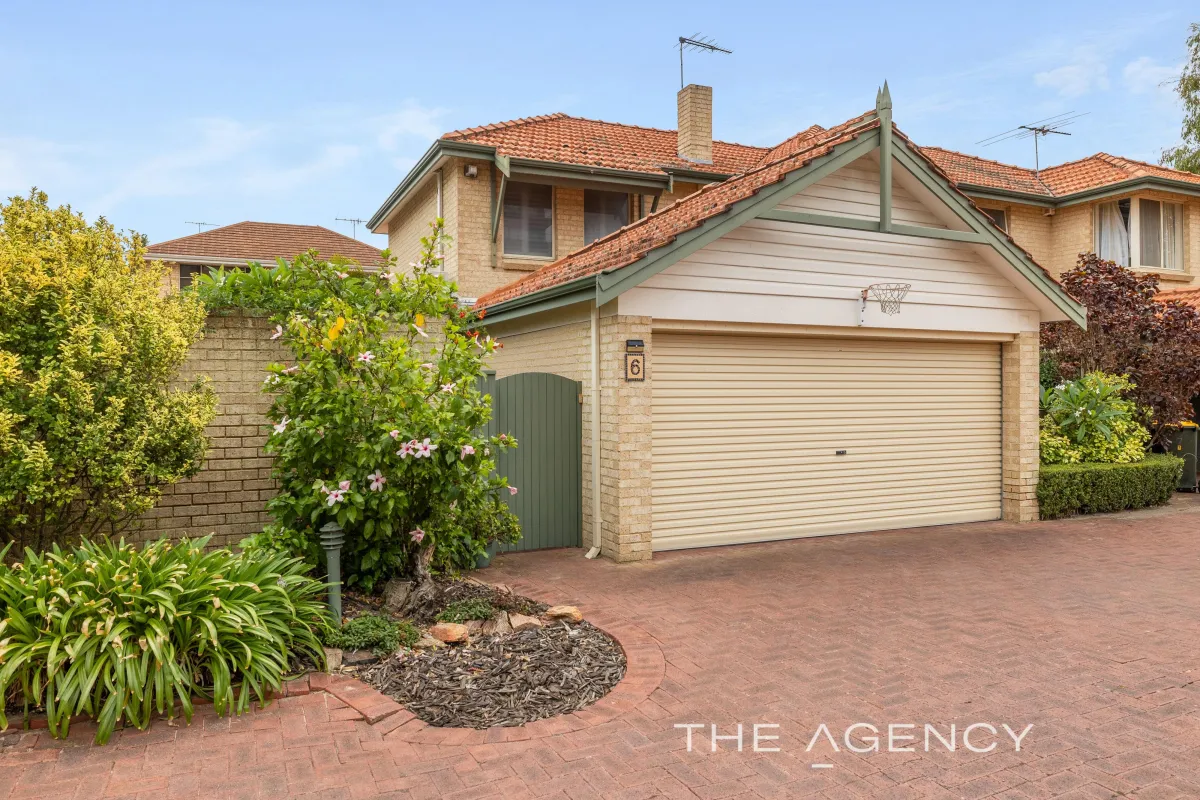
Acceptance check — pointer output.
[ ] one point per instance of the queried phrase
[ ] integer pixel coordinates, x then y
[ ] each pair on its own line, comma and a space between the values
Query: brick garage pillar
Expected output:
1019, 368
625, 441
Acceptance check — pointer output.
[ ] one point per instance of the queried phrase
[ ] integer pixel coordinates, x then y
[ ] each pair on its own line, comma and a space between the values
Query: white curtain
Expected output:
1171, 227
1113, 237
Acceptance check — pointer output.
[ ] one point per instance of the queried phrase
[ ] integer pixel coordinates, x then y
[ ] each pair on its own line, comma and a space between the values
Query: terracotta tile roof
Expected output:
266, 241
635, 241
1187, 294
1059, 181
594, 143
793, 145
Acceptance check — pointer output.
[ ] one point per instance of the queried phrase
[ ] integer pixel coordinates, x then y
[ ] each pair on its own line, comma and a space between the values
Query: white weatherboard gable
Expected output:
768, 271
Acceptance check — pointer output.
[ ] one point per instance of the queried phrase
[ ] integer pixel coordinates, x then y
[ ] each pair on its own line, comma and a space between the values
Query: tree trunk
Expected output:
424, 601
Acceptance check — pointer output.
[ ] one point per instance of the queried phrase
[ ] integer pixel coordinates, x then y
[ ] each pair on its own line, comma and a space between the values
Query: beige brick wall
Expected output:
1030, 227
1019, 427
406, 229
228, 497
694, 105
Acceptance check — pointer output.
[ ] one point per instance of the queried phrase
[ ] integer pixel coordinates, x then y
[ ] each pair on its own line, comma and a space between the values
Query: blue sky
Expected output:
157, 113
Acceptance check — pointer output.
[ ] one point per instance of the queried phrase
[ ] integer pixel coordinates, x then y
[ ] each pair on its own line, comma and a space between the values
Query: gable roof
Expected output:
1057, 182
264, 241
602, 268
594, 143
1187, 294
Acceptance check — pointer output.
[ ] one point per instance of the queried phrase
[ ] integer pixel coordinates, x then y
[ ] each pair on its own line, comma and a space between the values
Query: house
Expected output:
746, 374
239, 244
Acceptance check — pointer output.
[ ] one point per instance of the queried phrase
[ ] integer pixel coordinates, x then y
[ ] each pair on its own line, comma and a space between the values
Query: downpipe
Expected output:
595, 432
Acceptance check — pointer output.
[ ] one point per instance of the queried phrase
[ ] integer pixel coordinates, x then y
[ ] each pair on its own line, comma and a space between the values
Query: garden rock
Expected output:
520, 622
474, 626
450, 632
395, 593
497, 625
358, 658
333, 658
568, 613
427, 642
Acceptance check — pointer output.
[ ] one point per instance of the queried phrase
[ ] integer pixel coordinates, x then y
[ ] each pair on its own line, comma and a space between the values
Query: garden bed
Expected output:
552, 663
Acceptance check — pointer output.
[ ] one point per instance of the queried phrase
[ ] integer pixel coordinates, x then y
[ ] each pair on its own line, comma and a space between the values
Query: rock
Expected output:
497, 625
568, 613
450, 632
333, 658
358, 658
427, 642
474, 626
395, 592
520, 622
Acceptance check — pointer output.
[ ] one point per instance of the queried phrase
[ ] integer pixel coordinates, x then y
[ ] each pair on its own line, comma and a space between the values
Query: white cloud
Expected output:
26, 162
268, 180
1144, 75
411, 121
1086, 74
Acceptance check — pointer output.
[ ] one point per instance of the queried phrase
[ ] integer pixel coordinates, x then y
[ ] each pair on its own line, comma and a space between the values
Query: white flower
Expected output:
387, 276
344, 486
467, 450
417, 535
343, 275
512, 490
407, 449
377, 481
278, 332
420, 330
292, 369
366, 357
281, 426
335, 497
394, 434
424, 449
448, 387
271, 380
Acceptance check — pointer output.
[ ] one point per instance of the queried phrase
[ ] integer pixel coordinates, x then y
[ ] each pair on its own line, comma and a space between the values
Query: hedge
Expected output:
1066, 489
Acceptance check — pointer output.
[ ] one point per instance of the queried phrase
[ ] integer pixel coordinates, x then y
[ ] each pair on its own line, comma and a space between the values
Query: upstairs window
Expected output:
1112, 231
998, 216
529, 220
603, 213
189, 271
1160, 230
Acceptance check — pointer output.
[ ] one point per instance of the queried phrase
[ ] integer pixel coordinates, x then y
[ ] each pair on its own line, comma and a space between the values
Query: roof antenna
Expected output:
1035, 131
699, 43
354, 222
198, 224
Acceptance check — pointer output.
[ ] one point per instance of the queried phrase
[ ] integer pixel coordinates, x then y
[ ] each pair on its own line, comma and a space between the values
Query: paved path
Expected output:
1087, 629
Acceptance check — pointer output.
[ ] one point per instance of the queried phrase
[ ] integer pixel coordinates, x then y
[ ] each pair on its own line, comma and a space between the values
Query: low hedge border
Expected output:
1068, 489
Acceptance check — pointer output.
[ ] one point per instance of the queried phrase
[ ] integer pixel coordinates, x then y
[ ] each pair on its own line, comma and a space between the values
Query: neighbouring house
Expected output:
740, 379
239, 244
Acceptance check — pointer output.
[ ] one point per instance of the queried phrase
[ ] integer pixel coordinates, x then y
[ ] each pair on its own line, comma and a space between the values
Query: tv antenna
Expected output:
200, 224
1037, 130
354, 222
700, 44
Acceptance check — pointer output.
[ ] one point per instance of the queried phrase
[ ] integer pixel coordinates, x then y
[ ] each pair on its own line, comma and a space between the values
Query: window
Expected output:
1112, 231
998, 216
1160, 231
189, 271
529, 220
603, 213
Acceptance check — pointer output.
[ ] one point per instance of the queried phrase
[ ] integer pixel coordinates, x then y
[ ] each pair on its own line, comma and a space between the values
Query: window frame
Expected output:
1135, 233
627, 200
553, 227
988, 211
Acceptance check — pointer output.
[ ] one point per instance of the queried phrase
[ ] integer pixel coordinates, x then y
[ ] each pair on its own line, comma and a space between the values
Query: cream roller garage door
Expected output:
748, 434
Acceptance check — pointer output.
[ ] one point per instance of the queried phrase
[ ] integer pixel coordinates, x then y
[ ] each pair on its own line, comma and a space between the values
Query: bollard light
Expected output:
331, 542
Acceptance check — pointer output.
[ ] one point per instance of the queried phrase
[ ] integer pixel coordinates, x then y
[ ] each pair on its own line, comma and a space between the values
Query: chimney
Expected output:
695, 123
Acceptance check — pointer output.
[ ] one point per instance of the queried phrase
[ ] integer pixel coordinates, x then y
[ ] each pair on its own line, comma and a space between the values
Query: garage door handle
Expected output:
839, 452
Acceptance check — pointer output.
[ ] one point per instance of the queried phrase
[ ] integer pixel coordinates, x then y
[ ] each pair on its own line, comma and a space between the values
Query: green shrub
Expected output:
119, 634
1089, 420
382, 635
463, 610
1066, 489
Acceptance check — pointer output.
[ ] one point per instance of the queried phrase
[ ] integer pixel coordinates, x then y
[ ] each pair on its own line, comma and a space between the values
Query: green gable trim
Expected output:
436, 152
974, 218
1004, 196
578, 174
580, 290
1141, 184
696, 175
830, 221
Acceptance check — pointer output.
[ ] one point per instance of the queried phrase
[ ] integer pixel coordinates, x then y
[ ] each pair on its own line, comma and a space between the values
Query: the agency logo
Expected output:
859, 737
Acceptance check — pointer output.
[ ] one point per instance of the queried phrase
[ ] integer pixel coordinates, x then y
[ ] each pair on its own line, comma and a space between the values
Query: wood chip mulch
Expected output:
504, 680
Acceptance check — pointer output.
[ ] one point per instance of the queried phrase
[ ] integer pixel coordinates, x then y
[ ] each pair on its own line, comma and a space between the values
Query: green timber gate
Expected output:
544, 413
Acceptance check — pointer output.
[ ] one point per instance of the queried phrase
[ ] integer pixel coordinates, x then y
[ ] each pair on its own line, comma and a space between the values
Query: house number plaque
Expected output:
635, 360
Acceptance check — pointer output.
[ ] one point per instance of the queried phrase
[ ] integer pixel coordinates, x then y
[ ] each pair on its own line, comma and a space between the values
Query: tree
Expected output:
377, 422
1186, 155
90, 428
1131, 332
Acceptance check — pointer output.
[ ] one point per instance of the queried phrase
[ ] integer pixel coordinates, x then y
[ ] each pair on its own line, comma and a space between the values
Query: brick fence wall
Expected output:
228, 497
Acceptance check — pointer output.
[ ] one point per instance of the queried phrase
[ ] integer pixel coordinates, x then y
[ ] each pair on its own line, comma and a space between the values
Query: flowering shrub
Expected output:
376, 422
90, 428
1089, 420
120, 633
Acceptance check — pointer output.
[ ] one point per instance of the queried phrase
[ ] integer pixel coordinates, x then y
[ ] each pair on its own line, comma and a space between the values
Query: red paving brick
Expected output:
1087, 629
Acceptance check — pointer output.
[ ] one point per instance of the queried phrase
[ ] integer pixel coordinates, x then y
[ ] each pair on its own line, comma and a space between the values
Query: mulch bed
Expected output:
504, 680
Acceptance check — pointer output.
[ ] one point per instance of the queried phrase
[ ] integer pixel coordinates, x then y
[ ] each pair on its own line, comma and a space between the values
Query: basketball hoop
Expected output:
888, 295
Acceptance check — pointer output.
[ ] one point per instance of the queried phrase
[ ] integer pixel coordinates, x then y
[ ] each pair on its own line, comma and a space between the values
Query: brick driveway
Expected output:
1087, 629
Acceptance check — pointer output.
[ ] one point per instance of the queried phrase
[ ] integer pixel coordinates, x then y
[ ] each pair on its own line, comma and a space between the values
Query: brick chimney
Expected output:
695, 123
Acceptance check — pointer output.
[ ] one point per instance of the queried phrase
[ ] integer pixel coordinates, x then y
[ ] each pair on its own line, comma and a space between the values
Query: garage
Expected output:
759, 438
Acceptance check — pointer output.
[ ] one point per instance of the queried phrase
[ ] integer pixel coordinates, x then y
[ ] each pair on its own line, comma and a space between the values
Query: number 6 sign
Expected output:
635, 366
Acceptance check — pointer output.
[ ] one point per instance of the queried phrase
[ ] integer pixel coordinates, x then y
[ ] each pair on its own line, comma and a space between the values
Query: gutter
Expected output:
597, 522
